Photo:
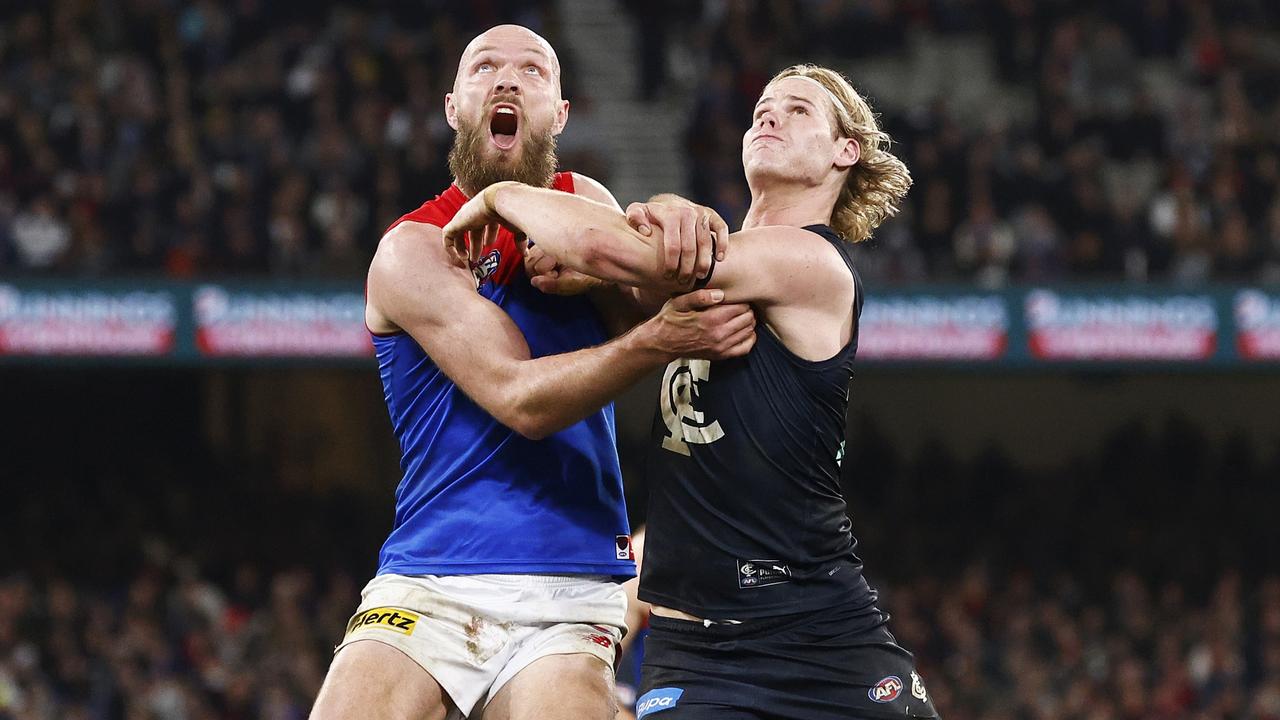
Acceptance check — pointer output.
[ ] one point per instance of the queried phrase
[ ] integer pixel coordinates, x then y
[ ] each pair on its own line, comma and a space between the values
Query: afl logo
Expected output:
487, 266
887, 690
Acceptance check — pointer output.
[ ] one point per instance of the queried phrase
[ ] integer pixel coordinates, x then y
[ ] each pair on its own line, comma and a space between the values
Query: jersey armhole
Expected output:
849, 347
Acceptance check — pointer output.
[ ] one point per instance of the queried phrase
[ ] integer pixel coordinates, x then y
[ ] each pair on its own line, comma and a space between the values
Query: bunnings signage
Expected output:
934, 327
255, 323
1109, 326
95, 322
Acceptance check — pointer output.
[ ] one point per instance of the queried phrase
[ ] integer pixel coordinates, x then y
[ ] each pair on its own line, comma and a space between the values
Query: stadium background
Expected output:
1064, 446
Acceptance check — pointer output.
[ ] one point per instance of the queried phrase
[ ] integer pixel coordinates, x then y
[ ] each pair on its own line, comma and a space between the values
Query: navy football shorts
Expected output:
828, 664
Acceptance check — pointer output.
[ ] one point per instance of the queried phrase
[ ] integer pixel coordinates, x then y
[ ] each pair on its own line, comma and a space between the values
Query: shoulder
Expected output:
411, 237
790, 264
410, 256
791, 247
408, 247
592, 189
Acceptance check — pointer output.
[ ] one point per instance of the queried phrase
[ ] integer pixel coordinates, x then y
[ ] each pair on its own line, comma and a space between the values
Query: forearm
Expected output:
416, 287
547, 394
584, 235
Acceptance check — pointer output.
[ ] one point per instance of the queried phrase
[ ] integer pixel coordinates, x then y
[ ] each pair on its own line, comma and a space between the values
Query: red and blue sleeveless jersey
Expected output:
476, 496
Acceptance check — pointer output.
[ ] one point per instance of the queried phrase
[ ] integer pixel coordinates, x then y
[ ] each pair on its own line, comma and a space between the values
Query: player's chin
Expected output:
762, 168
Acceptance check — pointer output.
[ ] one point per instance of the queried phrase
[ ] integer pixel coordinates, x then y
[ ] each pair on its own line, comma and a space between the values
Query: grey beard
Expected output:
535, 166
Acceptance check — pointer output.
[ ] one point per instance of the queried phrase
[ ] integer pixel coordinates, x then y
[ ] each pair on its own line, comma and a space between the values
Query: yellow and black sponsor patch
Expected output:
384, 618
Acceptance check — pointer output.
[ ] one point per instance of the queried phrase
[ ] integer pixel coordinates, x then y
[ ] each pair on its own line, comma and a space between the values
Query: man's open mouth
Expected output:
503, 126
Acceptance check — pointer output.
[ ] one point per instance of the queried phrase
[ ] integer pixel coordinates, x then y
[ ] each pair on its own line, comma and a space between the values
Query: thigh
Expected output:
557, 687
375, 681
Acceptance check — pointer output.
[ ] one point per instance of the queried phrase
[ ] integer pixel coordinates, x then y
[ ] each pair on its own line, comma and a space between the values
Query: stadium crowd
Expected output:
196, 137
221, 595
204, 137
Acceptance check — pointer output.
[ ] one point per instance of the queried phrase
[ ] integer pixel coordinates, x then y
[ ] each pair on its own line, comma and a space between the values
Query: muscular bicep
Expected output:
799, 284
417, 287
782, 266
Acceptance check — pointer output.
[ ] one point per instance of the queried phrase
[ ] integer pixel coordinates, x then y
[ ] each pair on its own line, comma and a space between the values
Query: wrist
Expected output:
645, 340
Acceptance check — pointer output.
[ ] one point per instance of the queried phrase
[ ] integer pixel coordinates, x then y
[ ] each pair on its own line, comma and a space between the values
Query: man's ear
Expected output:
450, 111
848, 153
562, 117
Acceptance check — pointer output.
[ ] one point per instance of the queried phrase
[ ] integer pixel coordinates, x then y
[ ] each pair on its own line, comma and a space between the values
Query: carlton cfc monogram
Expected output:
685, 424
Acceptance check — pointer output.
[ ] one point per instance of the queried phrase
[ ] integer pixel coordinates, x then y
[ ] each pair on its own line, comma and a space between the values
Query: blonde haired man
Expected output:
760, 608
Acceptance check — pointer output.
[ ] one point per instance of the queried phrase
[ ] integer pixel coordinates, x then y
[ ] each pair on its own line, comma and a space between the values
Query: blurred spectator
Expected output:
40, 238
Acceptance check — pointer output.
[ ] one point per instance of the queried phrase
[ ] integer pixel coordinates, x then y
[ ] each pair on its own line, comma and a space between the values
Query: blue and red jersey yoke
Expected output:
476, 496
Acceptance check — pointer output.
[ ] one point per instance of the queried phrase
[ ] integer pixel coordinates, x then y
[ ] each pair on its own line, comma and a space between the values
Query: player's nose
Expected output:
507, 81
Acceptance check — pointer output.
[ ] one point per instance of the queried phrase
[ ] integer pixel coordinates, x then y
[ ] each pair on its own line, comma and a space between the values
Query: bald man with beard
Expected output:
498, 589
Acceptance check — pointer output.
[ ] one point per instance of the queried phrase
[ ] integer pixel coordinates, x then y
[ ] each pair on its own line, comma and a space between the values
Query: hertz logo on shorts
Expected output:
385, 618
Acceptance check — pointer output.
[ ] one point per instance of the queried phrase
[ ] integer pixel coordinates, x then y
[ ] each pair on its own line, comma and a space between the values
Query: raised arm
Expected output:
768, 265
416, 286
688, 238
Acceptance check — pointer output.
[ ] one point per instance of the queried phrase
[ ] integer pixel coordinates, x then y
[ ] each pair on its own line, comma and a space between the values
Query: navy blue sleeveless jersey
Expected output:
476, 496
746, 517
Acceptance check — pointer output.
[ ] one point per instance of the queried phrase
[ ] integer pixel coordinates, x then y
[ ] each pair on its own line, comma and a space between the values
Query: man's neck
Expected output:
794, 206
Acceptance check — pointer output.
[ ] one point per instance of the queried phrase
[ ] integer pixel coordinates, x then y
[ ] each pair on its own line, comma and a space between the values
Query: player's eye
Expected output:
485, 67
800, 110
533, 70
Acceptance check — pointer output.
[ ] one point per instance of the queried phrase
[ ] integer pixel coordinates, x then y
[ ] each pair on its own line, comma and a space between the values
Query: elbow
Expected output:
520, 405
530, 426
528, 421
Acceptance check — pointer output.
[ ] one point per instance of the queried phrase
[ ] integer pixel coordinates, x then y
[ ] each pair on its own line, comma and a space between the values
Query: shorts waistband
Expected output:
724, 630
523, 578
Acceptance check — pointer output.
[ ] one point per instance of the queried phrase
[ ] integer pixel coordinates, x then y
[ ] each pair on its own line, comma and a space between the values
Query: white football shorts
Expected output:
473, 633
